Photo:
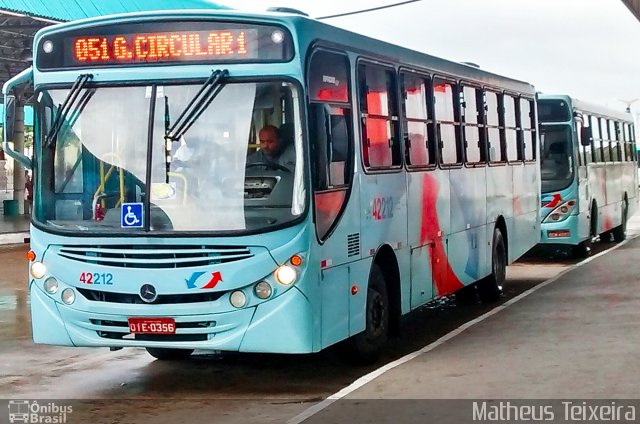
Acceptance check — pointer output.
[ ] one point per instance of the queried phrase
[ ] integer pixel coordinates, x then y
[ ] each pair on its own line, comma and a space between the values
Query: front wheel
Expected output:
365, 347
165, 354
490, 287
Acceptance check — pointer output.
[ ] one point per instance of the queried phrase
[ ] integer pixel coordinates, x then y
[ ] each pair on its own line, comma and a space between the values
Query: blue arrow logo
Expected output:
191, 282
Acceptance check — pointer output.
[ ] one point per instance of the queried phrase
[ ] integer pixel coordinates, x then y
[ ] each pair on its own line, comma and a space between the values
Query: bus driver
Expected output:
276, 147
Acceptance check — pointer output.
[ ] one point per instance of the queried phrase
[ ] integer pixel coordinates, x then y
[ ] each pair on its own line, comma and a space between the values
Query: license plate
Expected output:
152, 325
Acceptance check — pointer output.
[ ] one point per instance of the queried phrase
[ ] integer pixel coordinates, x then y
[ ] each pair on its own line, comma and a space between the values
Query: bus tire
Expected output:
467, 295
365, 347
583, 249
490, 287
165, 354
620, 232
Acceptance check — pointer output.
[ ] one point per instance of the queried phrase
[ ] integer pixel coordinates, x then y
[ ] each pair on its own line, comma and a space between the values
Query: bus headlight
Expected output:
68, 296
38, 269
238, 299
285, 275
51, 285
263, 290
561, 213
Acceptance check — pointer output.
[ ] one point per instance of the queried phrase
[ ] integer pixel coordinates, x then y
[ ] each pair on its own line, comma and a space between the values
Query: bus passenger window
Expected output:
615, 141
447, 115
420, 151
510, 128
473, 136
493, 126
605, 140
627, 143
381, 148
597, 139
527, 129
632, 137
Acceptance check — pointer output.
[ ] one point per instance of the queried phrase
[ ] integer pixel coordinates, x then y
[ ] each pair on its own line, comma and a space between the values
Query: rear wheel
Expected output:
620, 232
490, 287
365, 347
165, 354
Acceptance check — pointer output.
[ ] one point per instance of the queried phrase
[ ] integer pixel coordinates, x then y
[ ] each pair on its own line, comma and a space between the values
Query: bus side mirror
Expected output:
585, 136
9, 117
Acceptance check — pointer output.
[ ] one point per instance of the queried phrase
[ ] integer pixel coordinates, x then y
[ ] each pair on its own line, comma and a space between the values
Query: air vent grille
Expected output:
155, 256
353, 244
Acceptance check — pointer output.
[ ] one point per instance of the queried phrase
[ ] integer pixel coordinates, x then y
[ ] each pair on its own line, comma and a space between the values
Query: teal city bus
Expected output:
408, 178
588, 170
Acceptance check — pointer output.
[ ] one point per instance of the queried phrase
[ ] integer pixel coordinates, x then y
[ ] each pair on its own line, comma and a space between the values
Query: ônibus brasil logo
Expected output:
32, 412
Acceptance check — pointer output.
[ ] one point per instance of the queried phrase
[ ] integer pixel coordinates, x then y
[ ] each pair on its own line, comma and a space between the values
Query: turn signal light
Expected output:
296, 260
31, 255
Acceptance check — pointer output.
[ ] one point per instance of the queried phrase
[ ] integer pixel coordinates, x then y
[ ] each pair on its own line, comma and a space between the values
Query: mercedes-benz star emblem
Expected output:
148, 293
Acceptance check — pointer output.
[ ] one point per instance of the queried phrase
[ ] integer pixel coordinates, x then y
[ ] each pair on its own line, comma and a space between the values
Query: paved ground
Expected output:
13, 229
573, 337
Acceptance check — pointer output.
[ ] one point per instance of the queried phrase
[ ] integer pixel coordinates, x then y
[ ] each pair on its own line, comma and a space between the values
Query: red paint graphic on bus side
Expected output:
446, 281
608, 223
517, 205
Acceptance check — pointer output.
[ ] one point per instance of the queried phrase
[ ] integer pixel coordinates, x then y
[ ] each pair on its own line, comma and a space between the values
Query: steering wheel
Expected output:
268, 165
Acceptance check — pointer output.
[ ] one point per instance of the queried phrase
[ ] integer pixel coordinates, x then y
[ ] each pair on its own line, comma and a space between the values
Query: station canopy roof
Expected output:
21, 19
634, 7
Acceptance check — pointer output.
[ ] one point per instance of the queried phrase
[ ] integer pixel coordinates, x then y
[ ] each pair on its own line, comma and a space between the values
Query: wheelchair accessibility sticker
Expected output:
131, 215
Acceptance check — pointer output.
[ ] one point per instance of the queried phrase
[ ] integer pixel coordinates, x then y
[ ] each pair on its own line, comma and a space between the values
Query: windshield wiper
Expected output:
68, 105
196, 107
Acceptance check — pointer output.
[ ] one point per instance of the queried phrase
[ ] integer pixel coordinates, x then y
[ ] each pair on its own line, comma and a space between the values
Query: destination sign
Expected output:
163, 43
171, 46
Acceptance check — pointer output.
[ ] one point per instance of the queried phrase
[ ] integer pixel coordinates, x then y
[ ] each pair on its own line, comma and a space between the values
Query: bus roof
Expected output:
590, 108
309, 31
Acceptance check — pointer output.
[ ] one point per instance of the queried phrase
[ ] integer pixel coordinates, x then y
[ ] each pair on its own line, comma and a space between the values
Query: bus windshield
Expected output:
556, 151
208, 176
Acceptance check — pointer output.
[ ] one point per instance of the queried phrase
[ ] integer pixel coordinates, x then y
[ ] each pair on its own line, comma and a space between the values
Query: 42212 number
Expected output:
96, 278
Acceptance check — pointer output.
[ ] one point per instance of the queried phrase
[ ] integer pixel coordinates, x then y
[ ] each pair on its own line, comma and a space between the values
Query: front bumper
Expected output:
570, 225
280, 325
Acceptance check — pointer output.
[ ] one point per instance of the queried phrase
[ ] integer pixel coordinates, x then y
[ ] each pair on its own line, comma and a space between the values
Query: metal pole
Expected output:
18, 170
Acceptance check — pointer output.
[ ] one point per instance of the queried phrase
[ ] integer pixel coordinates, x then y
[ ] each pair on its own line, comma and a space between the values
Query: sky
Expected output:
589, 49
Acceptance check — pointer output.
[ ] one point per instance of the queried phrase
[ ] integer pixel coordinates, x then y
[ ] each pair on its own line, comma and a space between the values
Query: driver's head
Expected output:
270, 141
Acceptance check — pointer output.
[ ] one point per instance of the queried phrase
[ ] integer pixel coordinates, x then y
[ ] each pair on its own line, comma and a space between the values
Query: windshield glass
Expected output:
236, 166
556, 151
